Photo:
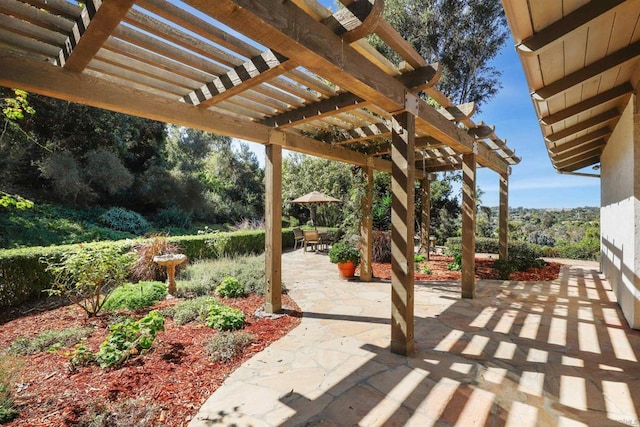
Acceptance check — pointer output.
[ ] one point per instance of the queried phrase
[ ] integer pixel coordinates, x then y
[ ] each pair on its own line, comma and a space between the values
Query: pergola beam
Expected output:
458, 113
556, 32
590, 71
302, 39
257, 70
26, 73
91, 30
415, 80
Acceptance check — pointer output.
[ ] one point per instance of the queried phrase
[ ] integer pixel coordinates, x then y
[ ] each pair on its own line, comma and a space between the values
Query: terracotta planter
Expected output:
347, 269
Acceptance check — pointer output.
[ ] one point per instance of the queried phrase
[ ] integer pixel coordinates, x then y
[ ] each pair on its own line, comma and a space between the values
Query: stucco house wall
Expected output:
620, 212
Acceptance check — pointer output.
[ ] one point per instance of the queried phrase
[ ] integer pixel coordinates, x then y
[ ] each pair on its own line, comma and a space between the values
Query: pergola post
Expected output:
273, 228
402, 232
503, 217
425, 220
366, 224
468, 224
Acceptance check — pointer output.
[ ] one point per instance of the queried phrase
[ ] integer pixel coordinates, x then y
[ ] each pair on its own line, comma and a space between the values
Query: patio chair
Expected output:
311, 237
298, 237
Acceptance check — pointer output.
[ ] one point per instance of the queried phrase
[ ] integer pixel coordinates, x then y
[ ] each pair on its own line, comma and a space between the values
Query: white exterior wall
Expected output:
620, 212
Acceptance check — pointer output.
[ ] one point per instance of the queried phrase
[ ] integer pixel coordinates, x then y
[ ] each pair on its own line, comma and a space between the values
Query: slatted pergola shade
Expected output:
289, 74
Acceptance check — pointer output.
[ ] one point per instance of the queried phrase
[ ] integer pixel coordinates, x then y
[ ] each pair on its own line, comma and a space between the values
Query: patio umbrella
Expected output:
312, 199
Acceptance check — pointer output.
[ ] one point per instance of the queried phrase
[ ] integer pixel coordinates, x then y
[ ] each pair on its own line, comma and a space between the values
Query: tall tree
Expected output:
463, 35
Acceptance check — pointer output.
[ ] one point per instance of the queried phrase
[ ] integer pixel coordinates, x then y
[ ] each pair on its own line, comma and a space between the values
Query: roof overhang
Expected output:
580, 60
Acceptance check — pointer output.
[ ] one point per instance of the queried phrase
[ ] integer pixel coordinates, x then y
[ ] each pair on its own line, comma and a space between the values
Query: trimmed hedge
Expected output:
23, 274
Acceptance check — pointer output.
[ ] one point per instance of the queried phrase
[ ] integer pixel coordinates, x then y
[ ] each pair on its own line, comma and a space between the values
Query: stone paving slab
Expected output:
520, 354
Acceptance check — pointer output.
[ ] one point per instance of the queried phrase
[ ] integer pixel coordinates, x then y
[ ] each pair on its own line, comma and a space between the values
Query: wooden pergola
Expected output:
286, 74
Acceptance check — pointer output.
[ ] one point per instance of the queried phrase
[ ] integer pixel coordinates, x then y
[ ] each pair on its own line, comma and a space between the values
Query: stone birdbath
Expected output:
170, 261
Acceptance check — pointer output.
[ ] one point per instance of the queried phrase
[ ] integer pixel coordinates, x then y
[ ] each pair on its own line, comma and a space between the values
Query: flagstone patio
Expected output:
520, 354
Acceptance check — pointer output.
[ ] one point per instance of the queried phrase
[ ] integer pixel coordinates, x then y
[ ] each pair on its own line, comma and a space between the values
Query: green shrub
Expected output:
49, 340
224, 318
504, 268
342, 252
81, 356
173, 217
125, 220
225, 345
129, 338
191, 310
191, 289
456, 265
145, 268
579, 251
522, 255
9, 367
426, 270
206, 275
419, 258
87, 276
134, 296
230, 288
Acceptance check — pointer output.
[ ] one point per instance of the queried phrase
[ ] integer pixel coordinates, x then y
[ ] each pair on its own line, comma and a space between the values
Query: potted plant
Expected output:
346, 256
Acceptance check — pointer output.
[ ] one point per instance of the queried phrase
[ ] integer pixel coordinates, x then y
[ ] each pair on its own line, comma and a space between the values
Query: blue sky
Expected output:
533, 183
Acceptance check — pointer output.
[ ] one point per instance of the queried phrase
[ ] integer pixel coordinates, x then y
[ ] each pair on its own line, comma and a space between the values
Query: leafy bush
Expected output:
419, 258
456, 265
134, 296
522, 255
125, 220
426, 270
224, 318
173, 217
203, 276
230, 288
191, 310
224, 346
88, 275
342, 252
129, 338
48, 340
579, 251
504, 268
9, 367
145, 268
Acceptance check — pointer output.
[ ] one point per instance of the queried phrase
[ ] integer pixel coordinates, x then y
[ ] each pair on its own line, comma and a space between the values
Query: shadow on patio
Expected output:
525, 354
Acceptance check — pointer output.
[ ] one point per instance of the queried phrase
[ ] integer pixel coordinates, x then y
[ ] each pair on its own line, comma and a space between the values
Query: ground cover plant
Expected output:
132, 296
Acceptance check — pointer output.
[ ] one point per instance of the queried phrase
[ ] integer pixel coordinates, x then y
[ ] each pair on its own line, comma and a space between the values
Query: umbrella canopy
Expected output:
312, 199
315, 197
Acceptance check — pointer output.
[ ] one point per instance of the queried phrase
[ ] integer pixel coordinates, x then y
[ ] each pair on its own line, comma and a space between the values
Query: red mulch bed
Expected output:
484, 270
164, 387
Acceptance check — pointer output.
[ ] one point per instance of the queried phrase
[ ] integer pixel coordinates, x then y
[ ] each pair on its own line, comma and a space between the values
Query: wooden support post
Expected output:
468, 224
425, 219
273, 228
503, 217
366, 224
402, 231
